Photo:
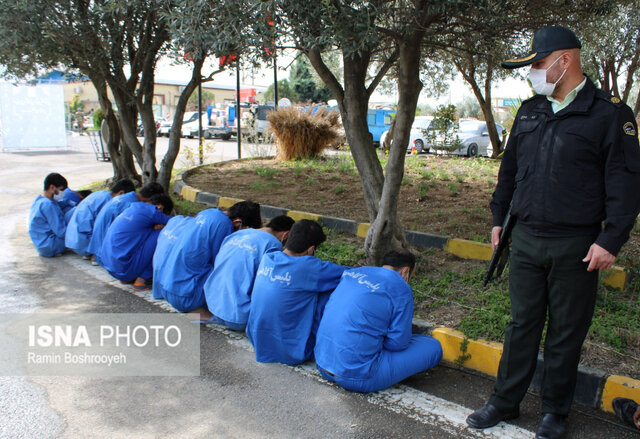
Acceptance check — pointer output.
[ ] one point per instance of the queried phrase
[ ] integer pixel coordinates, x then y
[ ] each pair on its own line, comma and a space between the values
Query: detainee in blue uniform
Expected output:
364, 341
127, 250
180, 270
289, 295
170, 236
80, 226
228, 287
110, 212
72, 196
47, 226
69, 200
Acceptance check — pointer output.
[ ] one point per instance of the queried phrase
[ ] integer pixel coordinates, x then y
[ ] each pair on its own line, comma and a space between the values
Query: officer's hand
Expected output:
598, 258
158, 227
495, 237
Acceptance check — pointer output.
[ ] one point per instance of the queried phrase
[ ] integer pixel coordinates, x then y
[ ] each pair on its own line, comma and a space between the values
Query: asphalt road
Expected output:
234, 396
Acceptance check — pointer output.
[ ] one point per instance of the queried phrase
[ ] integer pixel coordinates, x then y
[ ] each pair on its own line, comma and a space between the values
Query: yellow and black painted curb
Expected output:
616, 277
594, 388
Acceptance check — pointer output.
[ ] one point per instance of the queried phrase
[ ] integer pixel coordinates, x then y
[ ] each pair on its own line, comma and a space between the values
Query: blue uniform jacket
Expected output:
72, 196
47, 227
70, 200
169, 237
80, 226
128, 248
284, 305
370, 310
183, 268
228, 287
106, 216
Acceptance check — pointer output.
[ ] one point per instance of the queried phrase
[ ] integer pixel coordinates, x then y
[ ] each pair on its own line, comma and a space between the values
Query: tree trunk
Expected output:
631, 71
494, 136
166, 166
386, 231
353, 108
485, 104
385, 147
122, 164
145, 109
380, 194
127, 120
636, 107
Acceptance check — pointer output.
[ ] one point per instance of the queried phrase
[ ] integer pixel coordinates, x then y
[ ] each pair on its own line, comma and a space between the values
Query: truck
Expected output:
214, 125
255, 115
378, 122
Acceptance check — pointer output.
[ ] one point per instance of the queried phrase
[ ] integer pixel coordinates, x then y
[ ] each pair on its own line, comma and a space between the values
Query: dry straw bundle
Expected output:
300, 134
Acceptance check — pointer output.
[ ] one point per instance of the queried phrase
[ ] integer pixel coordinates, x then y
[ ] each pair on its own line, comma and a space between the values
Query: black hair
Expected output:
165, 200
125, 185
84, 193
281, 223
304, 234
248, 212
151, 189
56, 180
399, 259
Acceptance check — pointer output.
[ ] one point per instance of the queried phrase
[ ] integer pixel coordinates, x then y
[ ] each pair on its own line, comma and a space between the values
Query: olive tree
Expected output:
371, 37
611, 49
98, 39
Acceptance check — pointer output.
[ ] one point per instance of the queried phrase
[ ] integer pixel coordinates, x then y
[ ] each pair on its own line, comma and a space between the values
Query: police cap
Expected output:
545, 41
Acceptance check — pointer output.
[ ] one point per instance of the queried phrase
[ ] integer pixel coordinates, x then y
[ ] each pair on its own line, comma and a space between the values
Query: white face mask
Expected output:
538, 78
59, 196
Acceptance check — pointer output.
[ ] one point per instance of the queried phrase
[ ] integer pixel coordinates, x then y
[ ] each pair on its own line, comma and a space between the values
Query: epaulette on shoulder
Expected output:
608, 98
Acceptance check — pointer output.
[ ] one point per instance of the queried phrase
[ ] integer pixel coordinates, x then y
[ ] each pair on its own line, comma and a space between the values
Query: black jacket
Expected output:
570, 171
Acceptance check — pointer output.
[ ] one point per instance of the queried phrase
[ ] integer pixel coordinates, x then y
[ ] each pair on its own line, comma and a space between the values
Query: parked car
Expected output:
417, 138
165, 127
474, 138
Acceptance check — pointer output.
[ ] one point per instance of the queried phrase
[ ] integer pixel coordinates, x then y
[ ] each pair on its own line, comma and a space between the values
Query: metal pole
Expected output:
238, 108
275, 80
200, 149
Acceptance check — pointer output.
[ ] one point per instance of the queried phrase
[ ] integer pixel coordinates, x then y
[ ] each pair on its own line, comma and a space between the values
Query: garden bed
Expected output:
447, 196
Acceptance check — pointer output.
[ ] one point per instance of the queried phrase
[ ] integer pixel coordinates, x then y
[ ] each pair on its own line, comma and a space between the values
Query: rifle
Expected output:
501, 253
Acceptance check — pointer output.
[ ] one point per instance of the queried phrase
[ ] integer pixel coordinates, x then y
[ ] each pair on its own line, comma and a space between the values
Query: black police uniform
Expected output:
567, 174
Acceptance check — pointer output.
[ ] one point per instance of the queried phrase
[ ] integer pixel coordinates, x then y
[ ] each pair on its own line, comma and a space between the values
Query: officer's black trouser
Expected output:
546, 274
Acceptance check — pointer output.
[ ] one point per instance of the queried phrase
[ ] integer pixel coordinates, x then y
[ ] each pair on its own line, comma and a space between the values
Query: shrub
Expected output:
98, 117
300, 134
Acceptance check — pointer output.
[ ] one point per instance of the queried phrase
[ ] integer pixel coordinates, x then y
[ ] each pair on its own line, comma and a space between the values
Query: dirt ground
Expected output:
461, 211
457, 207
454, 204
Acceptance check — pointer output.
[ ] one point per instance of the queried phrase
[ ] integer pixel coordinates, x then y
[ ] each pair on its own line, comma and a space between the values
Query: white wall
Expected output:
32, 116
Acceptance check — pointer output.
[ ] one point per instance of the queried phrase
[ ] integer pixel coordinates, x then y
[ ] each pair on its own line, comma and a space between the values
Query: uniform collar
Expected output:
558, 106
580, 105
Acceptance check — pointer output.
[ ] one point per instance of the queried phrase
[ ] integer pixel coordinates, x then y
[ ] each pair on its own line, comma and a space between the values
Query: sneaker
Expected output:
625, 408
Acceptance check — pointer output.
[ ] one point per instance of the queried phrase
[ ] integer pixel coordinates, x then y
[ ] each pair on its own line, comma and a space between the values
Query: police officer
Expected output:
571, 170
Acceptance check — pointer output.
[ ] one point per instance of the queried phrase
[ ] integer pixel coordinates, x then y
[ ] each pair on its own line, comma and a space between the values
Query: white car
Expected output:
474, 137
418, 137
165, 127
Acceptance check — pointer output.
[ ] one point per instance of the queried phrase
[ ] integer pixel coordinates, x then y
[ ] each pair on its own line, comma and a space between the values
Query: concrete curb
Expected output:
594, 388
616, 277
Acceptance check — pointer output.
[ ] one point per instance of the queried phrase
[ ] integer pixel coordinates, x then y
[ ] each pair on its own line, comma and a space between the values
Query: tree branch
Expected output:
383, 71
325, 73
